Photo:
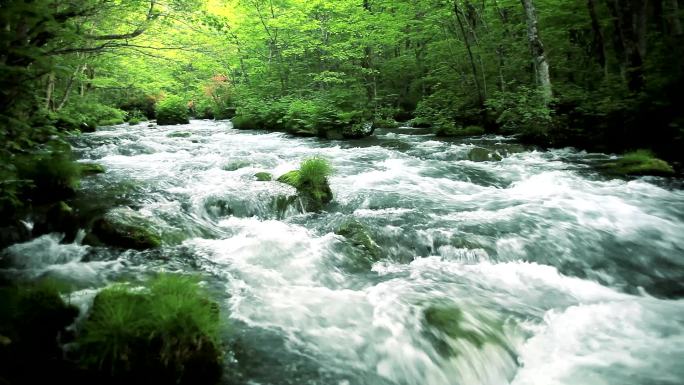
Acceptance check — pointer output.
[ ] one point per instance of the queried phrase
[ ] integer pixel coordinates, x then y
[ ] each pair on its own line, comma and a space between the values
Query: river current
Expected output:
580, 277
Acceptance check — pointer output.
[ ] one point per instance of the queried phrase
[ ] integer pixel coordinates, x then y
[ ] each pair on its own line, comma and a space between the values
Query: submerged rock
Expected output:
92, 169
263, 176
123, 227
236, 165
179, 134
479, 154
357, 234
453, 332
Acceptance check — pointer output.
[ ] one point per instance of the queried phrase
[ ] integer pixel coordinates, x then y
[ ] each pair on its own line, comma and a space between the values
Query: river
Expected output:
578, 276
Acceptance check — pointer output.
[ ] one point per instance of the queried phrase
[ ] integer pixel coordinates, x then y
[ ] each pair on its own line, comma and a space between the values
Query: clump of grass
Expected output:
166, 332
639, 162
311, 181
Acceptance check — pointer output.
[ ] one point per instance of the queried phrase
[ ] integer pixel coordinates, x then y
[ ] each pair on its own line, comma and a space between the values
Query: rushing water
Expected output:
576, 275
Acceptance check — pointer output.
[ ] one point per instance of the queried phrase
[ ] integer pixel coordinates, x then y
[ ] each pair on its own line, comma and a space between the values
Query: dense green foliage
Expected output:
166, 333
171, 110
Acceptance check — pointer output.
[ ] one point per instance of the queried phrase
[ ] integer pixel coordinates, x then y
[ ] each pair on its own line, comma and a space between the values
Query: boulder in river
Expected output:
358, 235
311, 182
124, 227
640, 162
479, 154
452, 331
91, 169
263, 176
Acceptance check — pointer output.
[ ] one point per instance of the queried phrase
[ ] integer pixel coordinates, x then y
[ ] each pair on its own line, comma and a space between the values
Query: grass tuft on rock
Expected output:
311, 182
639, 162
166, 332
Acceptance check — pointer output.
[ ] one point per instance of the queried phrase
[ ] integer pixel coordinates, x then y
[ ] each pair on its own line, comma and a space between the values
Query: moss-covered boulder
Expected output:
359, 236
179, 134
263, 176
59, 218
452, 331
640, 162
166, 332
451, 130
311, 182
32, 318
125, 228
479, 154
91, 169
236, 164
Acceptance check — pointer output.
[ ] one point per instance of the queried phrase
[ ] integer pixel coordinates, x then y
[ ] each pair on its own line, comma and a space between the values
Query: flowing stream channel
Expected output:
561, 275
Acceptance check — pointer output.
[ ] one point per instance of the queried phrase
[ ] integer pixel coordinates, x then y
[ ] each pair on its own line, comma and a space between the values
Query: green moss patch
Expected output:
92, 168
125, 228
263, 176
311, 182
164, 333
640, 162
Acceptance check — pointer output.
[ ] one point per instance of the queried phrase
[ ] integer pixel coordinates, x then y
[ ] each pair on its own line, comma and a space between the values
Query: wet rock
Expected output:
263, 176
236, 165
357, 234
453, 131
479, 154
453, 332
179, 134
59, 218
313, 194
91, 169
358, 130
125, 228
13, 232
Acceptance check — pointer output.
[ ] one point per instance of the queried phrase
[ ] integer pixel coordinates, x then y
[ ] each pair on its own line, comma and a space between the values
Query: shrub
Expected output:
51, 174
172, 110
85, 115
165, 333
523, 111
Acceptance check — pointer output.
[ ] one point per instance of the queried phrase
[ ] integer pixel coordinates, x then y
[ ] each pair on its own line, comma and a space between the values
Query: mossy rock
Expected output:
236, 165
92, 169
479, 154
164, 333
449, 329
263, 176
125, 228
31, 322
357, 234
290, 178
453, 131
640, 162
385, 123
59, 218
179, 134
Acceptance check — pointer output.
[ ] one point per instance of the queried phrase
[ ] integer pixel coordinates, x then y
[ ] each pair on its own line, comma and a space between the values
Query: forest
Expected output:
328, 86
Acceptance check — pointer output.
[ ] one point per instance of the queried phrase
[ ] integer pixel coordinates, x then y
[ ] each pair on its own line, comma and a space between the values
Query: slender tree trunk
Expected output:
49, 91
371, 80
457, 11
599, 45
500, 50
70, 85
630, 21
541, 65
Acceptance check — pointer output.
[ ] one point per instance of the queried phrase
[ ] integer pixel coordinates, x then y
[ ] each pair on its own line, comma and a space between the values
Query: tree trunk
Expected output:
457, 11
598, 44
70, 85
49, 91
541, 65
630, 22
